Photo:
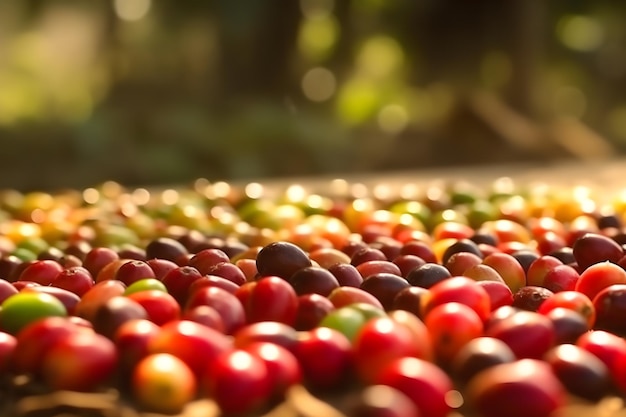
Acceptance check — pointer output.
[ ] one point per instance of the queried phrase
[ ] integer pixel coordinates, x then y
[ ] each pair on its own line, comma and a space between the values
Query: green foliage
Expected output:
212, 89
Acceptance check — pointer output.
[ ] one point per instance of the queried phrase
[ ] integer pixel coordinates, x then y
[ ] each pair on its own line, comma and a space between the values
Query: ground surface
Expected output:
605, 178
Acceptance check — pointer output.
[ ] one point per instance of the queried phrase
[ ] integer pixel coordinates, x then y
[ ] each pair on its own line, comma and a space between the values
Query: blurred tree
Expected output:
148, 91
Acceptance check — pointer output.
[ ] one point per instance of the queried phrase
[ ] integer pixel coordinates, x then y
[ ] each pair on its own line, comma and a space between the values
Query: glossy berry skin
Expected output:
538, 269
91, 301
133, 271
592, 248
248, 267
227, 305
382, 401
313, 279
238, 381
205, 315
528, 334
421, 249
411, 299
550, 242
423, 382
347, 320
212, 281
76, 279
131, 340
97, 258
610, 307
428, 275
207, 258
366, 269
24, 308
81, 361
115, 312
581, 372
573, 300
462, 245
109, 270
561, 278
41, 271
132, 252
499, 293
161, 267
422, 340
452, 230
526, 257
312, 308
34, 340
406, 263
184, 339
20, 285
378, 342
509, 269
599, 276
282, 366
384, 286
270, 298
281, 259
325, 357
266, 332
228, 271
451, 326
568, 325
565, 255
343, 296
522, 388
353, 246
160, 306
610, 349
389, 246
66, 297
346, 274
327, 257
7, 289
461, 261
165, 248
10, 268
162, 383
482, 272
367, 254
178, 281
479, 354
8, 344
462, 290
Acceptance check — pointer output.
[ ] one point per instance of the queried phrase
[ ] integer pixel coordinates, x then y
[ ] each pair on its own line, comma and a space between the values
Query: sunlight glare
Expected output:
319, 84
132, 10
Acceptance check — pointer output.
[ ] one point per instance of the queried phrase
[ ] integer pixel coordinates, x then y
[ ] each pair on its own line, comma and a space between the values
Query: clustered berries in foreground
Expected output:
486, 302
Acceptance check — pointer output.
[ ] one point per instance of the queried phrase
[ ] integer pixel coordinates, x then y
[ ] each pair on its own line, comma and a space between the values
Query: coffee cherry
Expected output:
592, 248
281, 259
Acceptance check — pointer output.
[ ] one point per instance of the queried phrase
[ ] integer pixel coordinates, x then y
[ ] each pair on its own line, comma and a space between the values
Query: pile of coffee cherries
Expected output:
336, 299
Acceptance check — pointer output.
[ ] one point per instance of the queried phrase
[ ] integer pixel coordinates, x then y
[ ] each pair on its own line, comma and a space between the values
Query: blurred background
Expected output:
161, 92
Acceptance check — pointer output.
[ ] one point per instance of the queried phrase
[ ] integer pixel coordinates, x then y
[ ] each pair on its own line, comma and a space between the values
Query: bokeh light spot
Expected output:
380, 56
131, 10
393, 118
357, 101
318, 36
319, 84
254, 190
580, 33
